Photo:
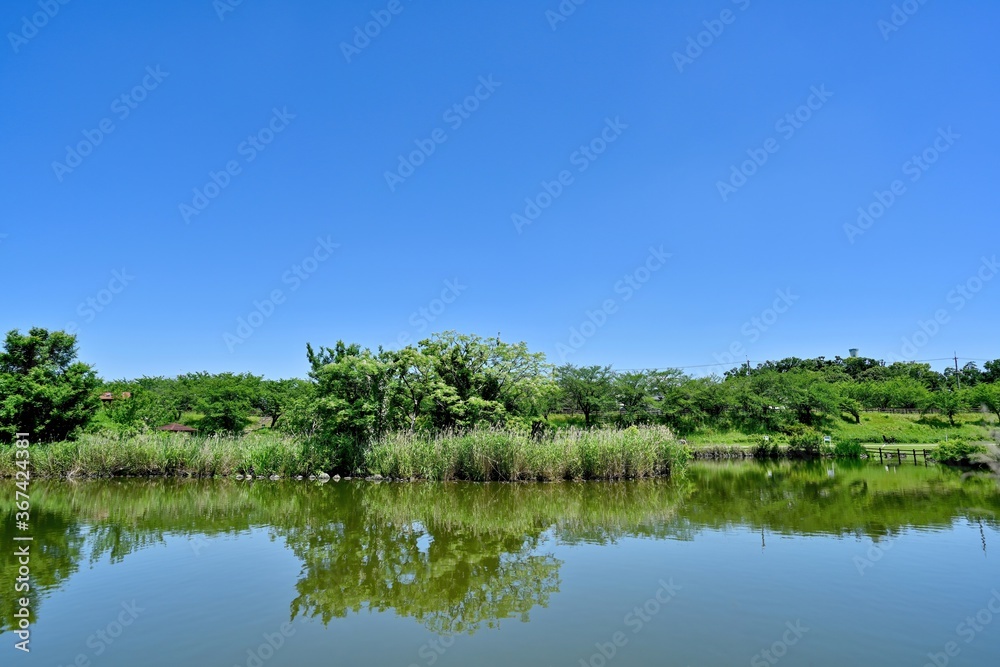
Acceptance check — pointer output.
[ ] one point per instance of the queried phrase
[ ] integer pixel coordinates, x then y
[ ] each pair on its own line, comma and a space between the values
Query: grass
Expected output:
499, 455
165, 454
907, 429
480, 455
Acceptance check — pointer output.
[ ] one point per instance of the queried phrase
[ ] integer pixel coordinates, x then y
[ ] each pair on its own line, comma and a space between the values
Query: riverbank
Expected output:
482, 455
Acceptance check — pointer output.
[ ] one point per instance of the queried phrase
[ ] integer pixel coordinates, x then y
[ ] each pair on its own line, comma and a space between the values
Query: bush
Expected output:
804, 443
848, 449
957, 452
766, 449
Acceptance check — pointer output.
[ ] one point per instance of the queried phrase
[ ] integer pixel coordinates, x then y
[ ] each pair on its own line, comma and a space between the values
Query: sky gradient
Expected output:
209, 186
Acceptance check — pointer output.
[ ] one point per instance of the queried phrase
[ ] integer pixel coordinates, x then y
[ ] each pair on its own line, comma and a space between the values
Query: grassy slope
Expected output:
907, 429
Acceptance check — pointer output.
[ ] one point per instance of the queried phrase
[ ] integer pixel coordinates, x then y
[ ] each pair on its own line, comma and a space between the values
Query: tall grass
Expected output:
479, 455
501, 455
165, 454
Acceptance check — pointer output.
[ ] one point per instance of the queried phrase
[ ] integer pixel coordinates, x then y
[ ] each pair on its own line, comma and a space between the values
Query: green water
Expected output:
741, 564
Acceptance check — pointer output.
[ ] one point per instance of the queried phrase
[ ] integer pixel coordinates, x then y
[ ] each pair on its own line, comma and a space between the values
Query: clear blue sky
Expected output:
200, 81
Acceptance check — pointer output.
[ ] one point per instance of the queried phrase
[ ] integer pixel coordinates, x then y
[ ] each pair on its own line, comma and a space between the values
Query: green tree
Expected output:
587, 389
225, 401
414, 371
948, 402
272, 398
809, 396
353, 398
987, 396
44, 390
967, 376
480, 380
134, 409
991, 371
631, 392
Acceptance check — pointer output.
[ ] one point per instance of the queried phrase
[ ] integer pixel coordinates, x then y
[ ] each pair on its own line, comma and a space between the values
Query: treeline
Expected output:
453, 382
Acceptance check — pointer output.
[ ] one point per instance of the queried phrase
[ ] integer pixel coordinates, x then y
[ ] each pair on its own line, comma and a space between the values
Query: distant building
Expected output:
107, 397
176, 428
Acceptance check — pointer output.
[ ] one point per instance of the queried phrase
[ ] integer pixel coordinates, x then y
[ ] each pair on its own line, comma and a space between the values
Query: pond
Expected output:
731, 564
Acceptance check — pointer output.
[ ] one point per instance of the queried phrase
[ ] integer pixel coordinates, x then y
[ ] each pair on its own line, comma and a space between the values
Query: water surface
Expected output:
735, 564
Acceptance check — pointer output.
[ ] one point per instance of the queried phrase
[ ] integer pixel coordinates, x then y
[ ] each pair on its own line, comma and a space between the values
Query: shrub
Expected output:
804, 444
958, 452
848, 449
766, 449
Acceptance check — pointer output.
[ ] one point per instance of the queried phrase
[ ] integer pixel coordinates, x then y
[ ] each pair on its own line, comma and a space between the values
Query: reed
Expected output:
478, 455
163, 454
502, 455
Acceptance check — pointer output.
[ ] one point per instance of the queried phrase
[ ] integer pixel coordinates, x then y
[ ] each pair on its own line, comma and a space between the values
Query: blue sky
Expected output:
271, 149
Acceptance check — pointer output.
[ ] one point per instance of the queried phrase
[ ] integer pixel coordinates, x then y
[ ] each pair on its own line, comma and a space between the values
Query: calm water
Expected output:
748, 564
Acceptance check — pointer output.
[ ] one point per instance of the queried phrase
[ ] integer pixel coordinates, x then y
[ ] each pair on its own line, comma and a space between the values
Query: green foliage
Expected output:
457, 384
766, 448
225, 401
44, 390
848, 449
503, 455
804, 443
588, 389
133, 410
987, 396
958, 452
948, 403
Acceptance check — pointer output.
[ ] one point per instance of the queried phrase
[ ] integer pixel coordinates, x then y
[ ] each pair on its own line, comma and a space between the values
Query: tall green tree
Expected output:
991, 371
353, 395
225, 401
588, 389
987, 396
480, 380
948, 402
44, 390
631, 391
273, 398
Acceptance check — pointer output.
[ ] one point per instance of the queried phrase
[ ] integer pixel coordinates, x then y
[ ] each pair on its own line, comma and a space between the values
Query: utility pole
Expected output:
958, 377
